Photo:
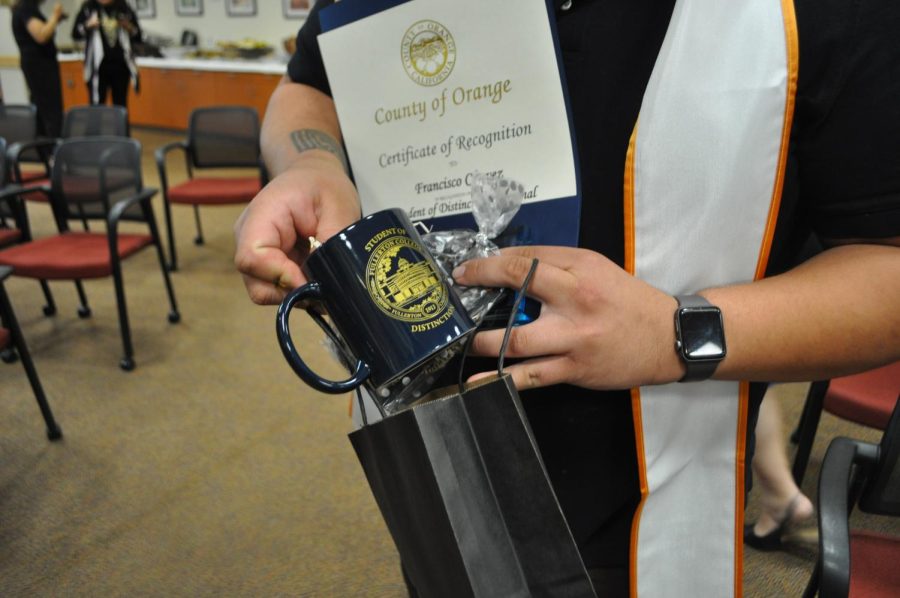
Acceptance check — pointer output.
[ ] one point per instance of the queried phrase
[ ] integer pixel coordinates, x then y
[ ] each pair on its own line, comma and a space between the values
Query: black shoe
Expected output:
767, 543
773, 540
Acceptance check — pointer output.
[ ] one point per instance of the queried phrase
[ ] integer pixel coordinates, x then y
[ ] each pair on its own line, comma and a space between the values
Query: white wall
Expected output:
269, 24
215, 25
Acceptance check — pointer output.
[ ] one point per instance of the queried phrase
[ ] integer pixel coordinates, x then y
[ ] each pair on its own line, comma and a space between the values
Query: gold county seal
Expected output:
402, 282
428, 52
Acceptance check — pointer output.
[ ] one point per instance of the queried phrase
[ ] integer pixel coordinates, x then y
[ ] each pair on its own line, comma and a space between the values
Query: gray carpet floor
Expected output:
210, 470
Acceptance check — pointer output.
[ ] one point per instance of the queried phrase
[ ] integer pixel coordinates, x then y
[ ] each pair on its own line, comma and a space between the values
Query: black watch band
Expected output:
699, 337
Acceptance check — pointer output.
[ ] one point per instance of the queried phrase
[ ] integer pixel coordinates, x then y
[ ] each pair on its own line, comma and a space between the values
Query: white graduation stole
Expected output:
703, 184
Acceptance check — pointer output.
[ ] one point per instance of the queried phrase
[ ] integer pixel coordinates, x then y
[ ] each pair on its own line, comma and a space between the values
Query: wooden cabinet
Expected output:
74, 89
167, 96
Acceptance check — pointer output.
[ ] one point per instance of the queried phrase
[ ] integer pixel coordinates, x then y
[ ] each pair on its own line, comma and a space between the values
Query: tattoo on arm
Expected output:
307, 139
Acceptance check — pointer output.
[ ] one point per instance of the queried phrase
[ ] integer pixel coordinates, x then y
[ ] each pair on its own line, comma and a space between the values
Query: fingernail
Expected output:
459, 271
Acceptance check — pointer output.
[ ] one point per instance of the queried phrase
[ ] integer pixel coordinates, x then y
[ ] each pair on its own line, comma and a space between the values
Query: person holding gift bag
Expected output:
757, 125
109, 29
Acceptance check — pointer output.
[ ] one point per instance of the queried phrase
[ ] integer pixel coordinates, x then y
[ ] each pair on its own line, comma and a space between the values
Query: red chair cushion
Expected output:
5, 338
866, 398
37, 195
70, 255
873, 565
33, 176
9, 235
215, 190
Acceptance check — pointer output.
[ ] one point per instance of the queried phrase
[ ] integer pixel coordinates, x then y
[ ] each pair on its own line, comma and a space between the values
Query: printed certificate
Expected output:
429, 92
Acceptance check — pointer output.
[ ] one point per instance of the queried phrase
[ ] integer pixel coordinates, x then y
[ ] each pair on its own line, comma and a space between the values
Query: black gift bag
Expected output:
465, 495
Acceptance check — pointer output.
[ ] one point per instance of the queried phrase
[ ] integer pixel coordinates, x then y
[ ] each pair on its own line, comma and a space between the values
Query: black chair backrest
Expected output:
4, 176
90, 174
881, 493
11, 209
92, 121
5, 209
18, 123
224, 137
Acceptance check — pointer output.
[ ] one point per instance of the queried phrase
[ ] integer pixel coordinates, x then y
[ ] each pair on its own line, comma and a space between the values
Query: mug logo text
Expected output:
402, 281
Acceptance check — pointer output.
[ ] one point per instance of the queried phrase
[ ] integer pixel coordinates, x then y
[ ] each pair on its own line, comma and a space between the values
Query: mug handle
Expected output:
312, 291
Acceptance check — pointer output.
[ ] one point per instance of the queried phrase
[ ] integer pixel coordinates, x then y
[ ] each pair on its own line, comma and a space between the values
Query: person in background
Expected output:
109, 28
784, 508
34, 35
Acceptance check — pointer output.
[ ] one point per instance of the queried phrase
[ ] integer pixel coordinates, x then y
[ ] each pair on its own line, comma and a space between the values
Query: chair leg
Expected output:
127, 361
84, 311
173, 258
8, 355
50, 306
812, 587
174, 316
54, 432
806, 429
198, 240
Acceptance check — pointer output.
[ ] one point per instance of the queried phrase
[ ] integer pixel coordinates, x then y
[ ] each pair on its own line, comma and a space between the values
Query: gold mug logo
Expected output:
402, 282
428, 52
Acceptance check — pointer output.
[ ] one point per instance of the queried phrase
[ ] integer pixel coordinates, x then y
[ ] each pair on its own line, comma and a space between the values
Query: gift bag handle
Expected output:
313, 291
509, 326
512, 314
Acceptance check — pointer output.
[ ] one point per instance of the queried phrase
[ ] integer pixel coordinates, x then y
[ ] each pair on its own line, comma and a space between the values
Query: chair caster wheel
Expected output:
49, 311
174, 317
9, 356
84, 312
198, 240
54, 433
126, 364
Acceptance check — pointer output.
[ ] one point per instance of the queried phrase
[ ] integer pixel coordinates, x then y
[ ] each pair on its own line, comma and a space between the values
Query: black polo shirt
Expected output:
28, 47
842, 181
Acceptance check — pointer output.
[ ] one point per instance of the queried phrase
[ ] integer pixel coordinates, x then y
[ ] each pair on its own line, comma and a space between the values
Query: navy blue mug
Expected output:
392, 307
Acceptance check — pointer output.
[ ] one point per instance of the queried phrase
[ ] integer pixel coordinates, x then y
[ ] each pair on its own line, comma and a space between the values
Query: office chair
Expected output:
80, 121
865, 398
859, 474
95, 178
14, 225
219, 137
18, 125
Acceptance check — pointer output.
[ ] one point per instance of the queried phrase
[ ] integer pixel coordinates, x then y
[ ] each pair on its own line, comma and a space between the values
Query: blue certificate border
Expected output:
550, 222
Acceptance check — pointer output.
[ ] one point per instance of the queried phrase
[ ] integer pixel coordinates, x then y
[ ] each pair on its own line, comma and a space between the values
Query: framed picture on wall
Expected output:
240, 8
189, 8
297, 9
144, 9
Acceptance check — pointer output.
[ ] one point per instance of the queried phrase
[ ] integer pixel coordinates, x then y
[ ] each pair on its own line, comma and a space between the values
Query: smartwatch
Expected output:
699, 337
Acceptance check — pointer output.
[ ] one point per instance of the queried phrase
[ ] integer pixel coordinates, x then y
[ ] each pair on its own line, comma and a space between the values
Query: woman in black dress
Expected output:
37, 55
109, 28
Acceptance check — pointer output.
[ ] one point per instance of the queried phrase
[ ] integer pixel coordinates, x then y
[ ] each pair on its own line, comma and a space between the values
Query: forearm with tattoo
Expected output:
308, 139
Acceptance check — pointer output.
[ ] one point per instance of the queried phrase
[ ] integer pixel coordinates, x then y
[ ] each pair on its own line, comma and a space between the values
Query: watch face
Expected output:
702, 334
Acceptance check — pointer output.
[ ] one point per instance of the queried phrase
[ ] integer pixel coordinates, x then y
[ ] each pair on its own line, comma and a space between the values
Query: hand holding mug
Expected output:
388, 300
315, 199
